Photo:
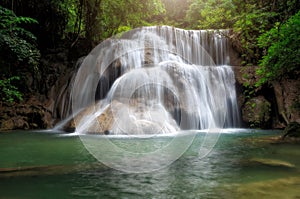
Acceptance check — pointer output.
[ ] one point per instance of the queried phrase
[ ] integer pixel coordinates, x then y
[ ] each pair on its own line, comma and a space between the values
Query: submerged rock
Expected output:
271, 162
277, 139
268, 189
48, 170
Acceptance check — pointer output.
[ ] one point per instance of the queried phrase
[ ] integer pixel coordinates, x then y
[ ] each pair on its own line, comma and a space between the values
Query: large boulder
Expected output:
103, 123
256, 112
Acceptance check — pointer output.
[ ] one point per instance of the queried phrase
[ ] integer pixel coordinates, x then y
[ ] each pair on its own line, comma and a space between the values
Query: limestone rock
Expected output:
103, 123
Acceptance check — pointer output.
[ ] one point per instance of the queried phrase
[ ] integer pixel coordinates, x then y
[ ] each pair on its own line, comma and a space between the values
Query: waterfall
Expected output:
155, 80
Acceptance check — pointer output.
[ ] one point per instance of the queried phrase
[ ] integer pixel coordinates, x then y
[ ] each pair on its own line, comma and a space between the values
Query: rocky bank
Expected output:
271, 106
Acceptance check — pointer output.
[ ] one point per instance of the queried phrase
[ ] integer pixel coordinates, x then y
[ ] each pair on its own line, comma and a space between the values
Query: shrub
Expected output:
281, 45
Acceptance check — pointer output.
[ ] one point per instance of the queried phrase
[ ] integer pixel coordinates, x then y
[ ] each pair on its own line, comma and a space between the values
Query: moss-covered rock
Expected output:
292, 130
257, 112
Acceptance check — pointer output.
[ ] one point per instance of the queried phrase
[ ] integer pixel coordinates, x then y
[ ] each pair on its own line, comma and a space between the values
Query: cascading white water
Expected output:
156, 80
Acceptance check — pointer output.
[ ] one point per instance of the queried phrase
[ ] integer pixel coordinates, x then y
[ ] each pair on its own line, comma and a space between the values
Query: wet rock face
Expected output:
256, 112
256, 109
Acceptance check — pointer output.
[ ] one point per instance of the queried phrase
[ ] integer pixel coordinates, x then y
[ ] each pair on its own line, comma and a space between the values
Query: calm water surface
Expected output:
241, 165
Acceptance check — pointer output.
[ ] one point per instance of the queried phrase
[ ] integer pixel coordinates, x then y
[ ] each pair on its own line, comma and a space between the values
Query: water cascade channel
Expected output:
154, 80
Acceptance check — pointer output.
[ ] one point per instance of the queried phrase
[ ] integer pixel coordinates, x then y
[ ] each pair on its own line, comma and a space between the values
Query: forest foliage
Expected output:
266, 32
282, 50
17, 50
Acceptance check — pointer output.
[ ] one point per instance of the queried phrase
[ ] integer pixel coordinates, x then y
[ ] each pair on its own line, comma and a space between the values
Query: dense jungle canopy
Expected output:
265, 32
